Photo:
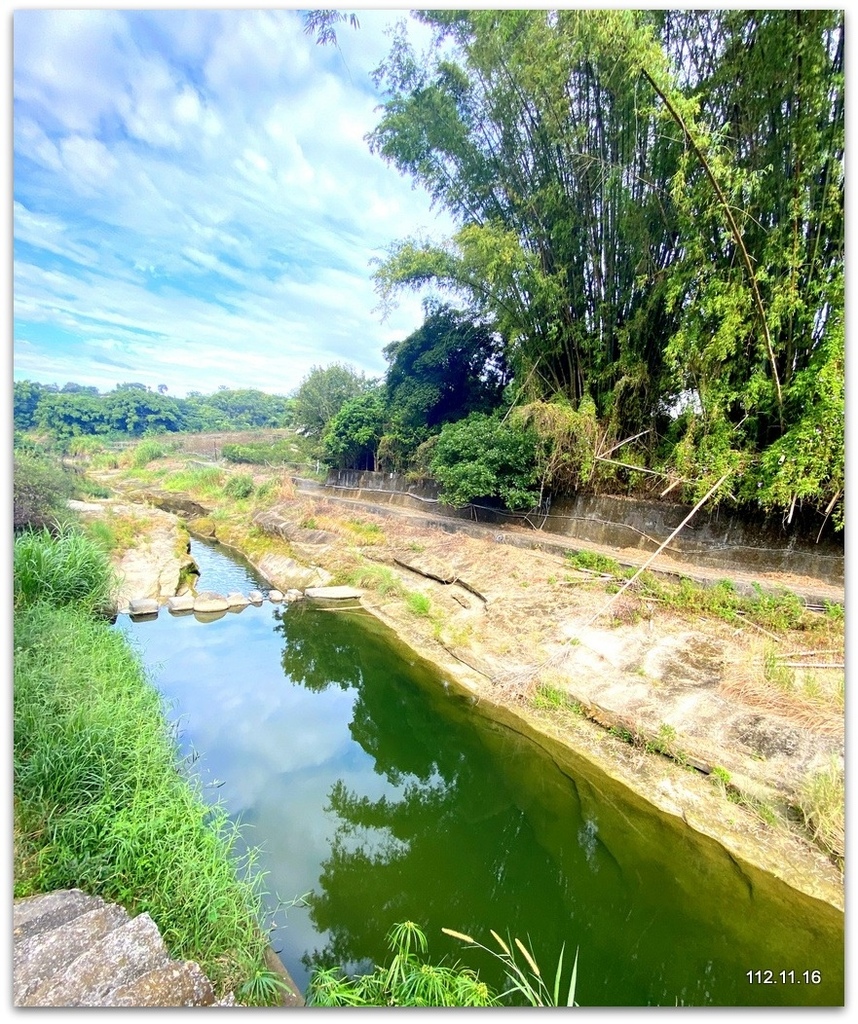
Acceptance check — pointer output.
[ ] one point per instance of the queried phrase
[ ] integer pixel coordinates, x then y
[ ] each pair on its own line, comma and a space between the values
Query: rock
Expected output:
181, 603
210, 601
256, 597
294, 595
143, 606
333, 593
236, 601
71, 949
275, 595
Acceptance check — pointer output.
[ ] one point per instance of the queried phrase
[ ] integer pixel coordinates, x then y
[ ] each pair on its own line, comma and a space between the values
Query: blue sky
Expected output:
194, 201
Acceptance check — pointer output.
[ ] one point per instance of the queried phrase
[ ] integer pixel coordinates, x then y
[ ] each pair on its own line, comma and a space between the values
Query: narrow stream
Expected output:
382, 794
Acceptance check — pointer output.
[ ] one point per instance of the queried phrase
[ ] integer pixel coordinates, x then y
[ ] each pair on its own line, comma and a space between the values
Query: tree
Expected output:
650, 208
323, 392
487, 457
449, 367
351, 438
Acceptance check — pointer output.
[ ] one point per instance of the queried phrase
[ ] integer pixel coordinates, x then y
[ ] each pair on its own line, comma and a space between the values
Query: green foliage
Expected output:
323, 392
352, 435
145, 452
101, 806
528, 982
699, 304
259, 453
484, 457
451, 366
239, 486
40, 489
62, 568
408, 980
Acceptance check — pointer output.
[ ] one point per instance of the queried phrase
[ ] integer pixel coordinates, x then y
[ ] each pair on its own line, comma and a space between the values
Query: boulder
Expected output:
236, 601
275, 595
181, 603
143, 606
210, 601
256, 597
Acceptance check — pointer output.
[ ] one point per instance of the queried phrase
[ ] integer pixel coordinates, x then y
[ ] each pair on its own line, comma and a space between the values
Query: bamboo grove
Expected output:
650, 214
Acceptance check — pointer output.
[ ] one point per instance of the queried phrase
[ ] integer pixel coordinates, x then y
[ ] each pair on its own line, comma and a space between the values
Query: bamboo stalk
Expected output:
659, 550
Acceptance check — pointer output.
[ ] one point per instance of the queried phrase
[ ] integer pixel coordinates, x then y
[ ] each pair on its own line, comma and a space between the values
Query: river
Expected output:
380, 793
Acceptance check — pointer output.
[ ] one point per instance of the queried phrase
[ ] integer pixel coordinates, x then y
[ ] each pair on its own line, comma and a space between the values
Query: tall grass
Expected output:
101, 806
206, 481
62, 568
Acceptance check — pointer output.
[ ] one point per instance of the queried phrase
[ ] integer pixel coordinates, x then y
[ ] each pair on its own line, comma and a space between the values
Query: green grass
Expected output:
239, 486
417, 603
206, 481
102, 804
62, 568
593, 561
376, 577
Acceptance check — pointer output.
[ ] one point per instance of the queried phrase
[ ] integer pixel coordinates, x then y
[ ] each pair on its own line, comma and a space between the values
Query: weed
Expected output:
309, 523
418, 604
376, 577
62, 568
143, 453
720, 775
593, 561
206, 481
822, 803
239, 486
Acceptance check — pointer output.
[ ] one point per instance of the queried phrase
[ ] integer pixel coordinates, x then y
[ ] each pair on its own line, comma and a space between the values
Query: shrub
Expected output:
483, 457
41, 489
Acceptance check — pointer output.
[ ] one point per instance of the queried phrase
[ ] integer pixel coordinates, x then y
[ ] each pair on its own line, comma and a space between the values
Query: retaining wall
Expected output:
716, 539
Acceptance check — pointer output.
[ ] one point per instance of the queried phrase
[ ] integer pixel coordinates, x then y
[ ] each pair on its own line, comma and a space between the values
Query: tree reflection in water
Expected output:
446, 845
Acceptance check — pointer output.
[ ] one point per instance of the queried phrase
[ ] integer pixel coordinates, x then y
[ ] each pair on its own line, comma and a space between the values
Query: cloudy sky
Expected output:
194, 201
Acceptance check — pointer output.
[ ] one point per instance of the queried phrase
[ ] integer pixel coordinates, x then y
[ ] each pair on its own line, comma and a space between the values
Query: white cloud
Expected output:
211, 191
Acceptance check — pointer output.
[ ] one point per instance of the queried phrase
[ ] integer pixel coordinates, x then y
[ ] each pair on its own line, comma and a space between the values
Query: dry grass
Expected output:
822, 801
811, 699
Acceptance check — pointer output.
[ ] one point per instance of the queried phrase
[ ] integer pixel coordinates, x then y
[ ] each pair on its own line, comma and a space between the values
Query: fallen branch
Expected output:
658, 551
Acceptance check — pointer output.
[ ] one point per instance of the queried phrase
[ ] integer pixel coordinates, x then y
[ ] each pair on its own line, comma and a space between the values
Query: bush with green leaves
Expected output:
486, 457
41, 489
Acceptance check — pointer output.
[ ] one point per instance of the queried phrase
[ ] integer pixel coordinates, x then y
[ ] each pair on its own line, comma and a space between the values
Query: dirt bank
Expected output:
710, 720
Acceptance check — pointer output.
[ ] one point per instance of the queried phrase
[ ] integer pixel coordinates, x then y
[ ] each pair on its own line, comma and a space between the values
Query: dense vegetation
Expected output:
651, 219
645, 292
131, 410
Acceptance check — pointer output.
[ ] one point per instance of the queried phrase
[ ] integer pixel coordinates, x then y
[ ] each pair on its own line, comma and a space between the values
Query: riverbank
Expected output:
682, 706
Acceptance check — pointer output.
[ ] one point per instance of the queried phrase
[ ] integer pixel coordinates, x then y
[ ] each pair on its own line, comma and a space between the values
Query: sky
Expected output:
195, 204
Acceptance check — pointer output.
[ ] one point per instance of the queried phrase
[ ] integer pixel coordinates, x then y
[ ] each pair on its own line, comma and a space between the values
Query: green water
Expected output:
383, 793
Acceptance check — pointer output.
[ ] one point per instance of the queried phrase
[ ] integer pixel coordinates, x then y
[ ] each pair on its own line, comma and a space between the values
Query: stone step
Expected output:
71, 949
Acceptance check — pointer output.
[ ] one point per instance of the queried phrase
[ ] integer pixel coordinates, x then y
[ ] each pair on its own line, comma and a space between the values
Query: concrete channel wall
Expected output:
717, 539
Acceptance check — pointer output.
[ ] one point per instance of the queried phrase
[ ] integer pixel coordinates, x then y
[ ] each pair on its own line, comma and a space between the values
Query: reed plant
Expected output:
408, 980
63, 567
101, 806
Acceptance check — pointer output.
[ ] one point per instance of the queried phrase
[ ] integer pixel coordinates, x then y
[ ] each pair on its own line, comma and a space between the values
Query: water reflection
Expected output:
391, 798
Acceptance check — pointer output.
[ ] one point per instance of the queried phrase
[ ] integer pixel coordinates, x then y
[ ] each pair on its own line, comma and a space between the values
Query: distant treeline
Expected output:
133, 409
